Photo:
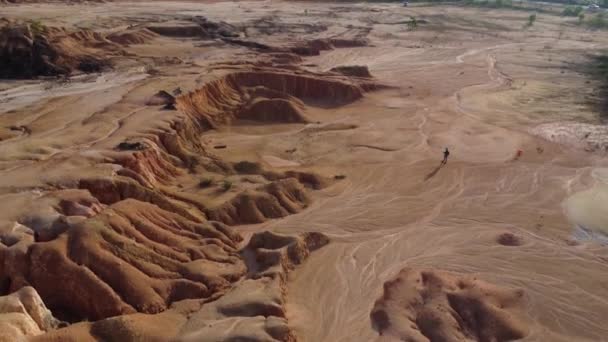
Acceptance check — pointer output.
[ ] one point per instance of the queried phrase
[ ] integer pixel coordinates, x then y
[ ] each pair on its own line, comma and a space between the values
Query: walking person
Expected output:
446, 154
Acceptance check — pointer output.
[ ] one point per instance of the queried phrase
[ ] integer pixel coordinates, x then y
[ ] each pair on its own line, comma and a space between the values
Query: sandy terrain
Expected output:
236, 178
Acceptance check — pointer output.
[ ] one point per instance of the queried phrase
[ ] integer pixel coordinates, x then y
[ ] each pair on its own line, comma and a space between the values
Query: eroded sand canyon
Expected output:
269, 171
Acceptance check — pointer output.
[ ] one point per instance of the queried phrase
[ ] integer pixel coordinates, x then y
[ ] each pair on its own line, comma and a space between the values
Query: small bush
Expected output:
598, 21
572, 11
247, 167
205, 182
412, 24
226, 185
338, 177
37, 27
531, 20
490, 3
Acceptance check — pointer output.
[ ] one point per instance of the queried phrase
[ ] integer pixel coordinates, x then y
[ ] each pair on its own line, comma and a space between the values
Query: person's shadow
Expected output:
434, 172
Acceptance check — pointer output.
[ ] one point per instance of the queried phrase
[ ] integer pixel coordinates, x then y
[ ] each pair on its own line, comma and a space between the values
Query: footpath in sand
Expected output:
271, 172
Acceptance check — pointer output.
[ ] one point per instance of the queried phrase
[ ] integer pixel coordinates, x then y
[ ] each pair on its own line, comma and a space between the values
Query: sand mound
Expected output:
216, 29
274, 200
275, 253
304, 87
274, 110
308, 179
283, 58
273, 24
126, 242
509, 239
253, 309
177, 29
315, 46
23, 314
158, 159
162, 98
348, 43
271, 95
132, 257
116, 189
422, 305
130, 240
311, 47
28, 50
302, 47
131, 37
199, 27
353, 70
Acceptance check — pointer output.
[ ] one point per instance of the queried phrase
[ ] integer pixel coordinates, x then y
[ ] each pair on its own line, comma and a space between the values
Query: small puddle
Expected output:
588, 209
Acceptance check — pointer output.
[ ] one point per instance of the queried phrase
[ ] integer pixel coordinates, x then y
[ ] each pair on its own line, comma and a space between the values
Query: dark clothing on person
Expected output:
446, 154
